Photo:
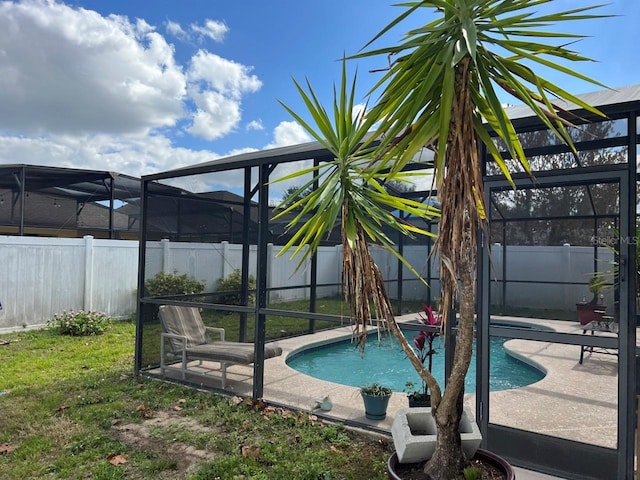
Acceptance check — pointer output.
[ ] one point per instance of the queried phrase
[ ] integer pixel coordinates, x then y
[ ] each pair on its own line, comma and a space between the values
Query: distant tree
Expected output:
292, 195
545, 205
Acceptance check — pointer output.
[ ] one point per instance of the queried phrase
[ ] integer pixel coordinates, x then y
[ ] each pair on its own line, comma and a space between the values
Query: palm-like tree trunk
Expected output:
448, 460
460, 193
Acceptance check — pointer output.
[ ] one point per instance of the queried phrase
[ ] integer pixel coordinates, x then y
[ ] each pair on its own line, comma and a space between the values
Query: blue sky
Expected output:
139, 86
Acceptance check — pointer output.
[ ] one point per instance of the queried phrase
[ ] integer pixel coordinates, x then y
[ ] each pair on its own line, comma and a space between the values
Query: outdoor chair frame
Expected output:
186, 339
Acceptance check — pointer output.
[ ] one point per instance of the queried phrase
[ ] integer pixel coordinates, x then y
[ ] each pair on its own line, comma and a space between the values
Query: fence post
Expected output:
338, 260
567, 268
225, 259
88, 272
166, 255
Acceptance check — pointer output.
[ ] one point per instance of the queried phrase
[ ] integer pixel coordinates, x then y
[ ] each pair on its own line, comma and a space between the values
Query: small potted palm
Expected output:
376, 399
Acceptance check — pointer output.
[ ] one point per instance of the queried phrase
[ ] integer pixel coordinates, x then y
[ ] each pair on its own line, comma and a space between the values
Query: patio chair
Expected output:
607, 325
189, 340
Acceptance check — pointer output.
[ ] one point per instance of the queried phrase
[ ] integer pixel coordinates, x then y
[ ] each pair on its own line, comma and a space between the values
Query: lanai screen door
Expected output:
549, 241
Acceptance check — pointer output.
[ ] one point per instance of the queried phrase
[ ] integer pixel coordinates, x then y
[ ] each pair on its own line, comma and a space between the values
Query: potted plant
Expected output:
417, 397
593, 310
376, 399
423, 345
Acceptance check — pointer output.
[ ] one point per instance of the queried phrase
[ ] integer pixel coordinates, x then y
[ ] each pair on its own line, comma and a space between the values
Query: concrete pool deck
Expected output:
580, 400
584, 396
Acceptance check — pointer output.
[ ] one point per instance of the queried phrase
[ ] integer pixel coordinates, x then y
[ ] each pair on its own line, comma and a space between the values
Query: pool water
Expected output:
384, 362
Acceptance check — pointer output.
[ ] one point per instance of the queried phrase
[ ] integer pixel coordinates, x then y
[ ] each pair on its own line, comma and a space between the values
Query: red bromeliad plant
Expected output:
423, 344
424, 340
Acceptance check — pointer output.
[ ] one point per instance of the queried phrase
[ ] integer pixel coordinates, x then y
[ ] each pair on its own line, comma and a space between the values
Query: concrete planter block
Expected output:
414, 434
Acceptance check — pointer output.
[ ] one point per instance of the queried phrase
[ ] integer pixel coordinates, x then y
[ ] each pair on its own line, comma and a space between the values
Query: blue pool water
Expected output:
385, 363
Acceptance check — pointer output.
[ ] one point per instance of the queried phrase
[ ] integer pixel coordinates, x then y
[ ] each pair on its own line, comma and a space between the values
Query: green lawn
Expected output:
279, 326
71, 409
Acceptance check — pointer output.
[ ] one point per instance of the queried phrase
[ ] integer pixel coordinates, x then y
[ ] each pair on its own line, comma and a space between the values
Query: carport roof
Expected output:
84, 185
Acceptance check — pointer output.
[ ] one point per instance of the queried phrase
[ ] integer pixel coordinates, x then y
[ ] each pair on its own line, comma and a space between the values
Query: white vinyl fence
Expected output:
552, 277
44, 276
214, 261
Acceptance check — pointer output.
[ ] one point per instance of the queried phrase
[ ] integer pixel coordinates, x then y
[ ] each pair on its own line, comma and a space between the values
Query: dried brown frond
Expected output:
363, 288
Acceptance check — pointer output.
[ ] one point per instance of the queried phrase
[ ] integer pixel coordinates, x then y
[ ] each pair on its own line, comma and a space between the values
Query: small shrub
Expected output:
233, 284
173, 284
80, 323
375, 390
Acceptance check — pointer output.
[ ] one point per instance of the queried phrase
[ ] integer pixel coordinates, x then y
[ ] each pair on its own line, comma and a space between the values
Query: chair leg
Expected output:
162, 367
583, 348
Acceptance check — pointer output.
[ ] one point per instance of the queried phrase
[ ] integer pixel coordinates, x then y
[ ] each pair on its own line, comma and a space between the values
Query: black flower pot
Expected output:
419, 400
483, 455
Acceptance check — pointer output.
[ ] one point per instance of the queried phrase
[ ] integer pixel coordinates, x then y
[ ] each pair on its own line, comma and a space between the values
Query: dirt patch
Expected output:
186, 457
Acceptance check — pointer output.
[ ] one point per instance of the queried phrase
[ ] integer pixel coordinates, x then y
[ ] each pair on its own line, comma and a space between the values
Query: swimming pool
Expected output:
385, 363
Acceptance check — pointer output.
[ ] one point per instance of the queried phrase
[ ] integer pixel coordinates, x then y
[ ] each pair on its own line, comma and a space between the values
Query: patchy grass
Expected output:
71, 409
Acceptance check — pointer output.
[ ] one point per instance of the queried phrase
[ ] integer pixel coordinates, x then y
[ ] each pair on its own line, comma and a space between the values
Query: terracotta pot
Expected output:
482, 455
589, 312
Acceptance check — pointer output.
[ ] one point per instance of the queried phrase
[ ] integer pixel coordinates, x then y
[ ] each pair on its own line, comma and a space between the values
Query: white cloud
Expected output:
225, 76
79, 89
211, 29
217, 86
238, 151
134, 155
288, 133
72, 71
255, 125
358, 110
175, 29
216, 116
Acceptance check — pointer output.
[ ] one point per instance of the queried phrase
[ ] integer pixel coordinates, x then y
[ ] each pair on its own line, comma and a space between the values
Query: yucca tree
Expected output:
350, 193
441, 89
